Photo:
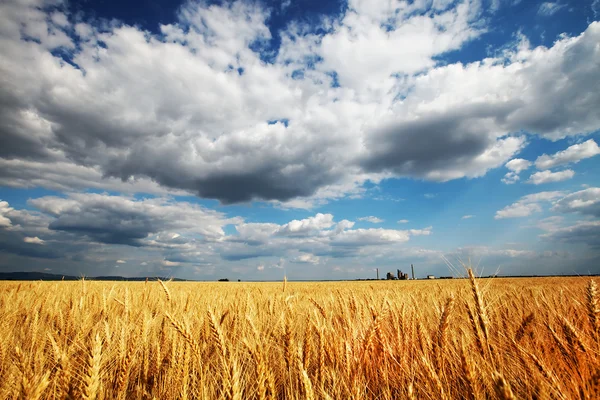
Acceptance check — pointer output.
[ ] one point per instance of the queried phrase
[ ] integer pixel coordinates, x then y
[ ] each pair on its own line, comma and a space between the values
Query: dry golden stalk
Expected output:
572, 336
433, 376
525, 324
217, 334
321, 354
558, 341
261, 370
165, 289
546, 373
479, 306
319, 308
476, 331
467, 372
63, 371
287, 343
183, 331
91, 378
306, 383
306, 345
236, 391
442, 329
502, 387
411, 392
593, 309
31, 387
124, 370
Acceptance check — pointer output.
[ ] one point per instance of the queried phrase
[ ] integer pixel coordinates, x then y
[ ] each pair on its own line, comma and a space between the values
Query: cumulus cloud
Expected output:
371, 219
467, 216
573, 154
4, 209
517, 210
527, 205
403, 221
301, 227
510, 178
517, 165
541, 177
197, 109
333, 239
306, 259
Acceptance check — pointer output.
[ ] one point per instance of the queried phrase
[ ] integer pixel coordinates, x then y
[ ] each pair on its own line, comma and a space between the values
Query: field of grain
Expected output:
473, 339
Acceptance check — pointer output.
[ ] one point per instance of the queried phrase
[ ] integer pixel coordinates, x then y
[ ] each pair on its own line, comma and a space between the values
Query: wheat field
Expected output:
451, 339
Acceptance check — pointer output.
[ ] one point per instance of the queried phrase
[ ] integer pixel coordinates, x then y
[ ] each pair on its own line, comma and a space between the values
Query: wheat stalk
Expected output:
91, 377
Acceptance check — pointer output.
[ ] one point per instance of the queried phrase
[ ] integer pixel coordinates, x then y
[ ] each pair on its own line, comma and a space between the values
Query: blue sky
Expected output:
319, 140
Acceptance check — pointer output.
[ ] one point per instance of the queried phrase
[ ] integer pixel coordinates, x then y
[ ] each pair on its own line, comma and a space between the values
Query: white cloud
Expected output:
527, 205
467, 216
373, 236
541, 177
517, 165
573, 154
421, 232
338, 240
121, 262
403, 221
371, 219
299, 227
167, 263
306, 258
4, 209
34, 240
550, 8
550, 223
285, 4
510, 178
518, 210
542, 196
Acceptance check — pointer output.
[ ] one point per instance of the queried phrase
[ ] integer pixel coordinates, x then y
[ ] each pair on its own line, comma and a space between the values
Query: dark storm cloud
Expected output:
268, 181
13, 242
126, 221
585, 202
587, 232
107, 226
20, 130
433, 143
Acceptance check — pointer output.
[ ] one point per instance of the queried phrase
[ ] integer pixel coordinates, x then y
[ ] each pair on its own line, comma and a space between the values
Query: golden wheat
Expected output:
505, 339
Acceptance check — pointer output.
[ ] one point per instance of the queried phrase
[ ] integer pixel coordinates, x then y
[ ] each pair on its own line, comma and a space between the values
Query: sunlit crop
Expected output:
467, 338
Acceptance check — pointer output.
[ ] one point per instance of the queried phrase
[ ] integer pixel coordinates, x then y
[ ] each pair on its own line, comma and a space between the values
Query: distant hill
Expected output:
42, 276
